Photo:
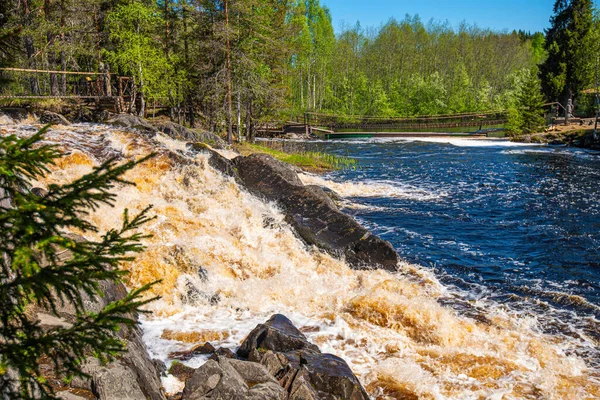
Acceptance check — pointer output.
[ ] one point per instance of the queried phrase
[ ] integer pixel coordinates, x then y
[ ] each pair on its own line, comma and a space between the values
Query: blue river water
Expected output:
518, 226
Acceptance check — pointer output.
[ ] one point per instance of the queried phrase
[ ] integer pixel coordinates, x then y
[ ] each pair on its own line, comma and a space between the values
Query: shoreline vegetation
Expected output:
309, 161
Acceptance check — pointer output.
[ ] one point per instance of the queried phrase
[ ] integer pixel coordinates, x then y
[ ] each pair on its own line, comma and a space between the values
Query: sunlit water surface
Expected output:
498, 299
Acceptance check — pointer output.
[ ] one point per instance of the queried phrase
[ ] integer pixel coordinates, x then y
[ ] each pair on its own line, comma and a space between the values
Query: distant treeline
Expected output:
238, 62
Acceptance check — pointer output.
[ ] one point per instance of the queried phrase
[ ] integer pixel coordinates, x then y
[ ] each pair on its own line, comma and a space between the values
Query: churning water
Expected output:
498, 297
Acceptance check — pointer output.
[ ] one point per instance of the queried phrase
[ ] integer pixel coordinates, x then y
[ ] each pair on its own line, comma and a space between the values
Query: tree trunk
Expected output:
63, 57
229, 100
250, 122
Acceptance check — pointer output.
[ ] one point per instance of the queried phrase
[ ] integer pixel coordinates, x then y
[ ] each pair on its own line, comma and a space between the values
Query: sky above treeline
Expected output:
499, 15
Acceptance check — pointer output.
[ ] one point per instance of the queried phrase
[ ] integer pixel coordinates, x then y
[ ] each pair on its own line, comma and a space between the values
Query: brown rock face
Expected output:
314, 216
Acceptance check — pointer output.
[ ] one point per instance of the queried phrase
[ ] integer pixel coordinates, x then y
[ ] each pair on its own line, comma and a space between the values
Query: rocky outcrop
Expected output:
313, 214
180, 132
275, 361
225, 378
300, 368
133, 374
49, 117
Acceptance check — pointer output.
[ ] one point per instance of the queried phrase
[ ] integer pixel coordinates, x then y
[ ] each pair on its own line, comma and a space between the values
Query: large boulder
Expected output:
131, 122
180, 132
232, 379
278, 334
49, 117
313, 215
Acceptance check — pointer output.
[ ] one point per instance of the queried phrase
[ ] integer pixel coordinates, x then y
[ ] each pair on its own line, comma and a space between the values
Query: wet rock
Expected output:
206, 348
161, 367
131, 122
328, 375
181, 372
49, 117
180, 132
313, 214
278, 334
232, 379
15, 113
223, 353
304, 372
216, 160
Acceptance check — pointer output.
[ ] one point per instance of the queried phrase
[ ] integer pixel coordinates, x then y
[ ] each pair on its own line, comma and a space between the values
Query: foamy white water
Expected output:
373, 188
224, 270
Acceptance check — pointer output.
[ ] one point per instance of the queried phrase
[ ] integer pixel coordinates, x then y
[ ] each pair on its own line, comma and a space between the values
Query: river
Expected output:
499, 222
497, 297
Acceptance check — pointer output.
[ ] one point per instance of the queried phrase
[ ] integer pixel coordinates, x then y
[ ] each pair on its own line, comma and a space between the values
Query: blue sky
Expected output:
529, 15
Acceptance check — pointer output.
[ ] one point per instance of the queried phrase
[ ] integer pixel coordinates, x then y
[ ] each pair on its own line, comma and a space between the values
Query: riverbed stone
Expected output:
313, 214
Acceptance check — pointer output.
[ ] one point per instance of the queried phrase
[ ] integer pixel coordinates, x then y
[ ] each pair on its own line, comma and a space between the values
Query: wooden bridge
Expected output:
104, 90
471, 124
329, 126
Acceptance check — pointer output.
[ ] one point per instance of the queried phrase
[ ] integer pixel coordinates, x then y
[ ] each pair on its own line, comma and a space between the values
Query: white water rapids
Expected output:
228, 261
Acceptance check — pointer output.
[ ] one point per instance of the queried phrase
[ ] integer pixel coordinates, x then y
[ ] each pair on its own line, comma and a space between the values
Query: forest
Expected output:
230, 63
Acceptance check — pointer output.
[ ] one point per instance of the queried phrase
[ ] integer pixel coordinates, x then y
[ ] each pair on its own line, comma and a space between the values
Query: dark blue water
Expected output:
517, 226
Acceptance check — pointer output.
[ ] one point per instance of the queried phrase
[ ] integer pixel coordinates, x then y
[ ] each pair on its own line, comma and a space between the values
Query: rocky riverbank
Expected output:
581, 138
275, 361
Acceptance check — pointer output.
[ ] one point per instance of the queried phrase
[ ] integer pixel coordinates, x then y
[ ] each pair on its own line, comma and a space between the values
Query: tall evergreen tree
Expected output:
530, 102
566, 71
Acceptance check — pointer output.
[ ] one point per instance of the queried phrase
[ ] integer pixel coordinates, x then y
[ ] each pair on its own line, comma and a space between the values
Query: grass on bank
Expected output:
311, 161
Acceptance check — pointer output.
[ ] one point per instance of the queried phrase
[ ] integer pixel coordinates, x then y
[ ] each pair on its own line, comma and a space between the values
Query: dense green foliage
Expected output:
42, 266
571, 51
284, 58
527, 115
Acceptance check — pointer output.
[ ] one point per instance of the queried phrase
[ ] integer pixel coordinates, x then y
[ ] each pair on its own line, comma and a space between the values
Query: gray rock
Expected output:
180, 132
69, 396
232, 379
131, 122
181, 371
223, 353
314, 216
206, 348
117, 382
49, 117
304, 373
278, 334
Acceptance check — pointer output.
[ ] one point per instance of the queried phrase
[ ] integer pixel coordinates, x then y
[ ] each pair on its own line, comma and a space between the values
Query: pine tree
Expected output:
8, 41
34, 273
531, 103
566, 71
